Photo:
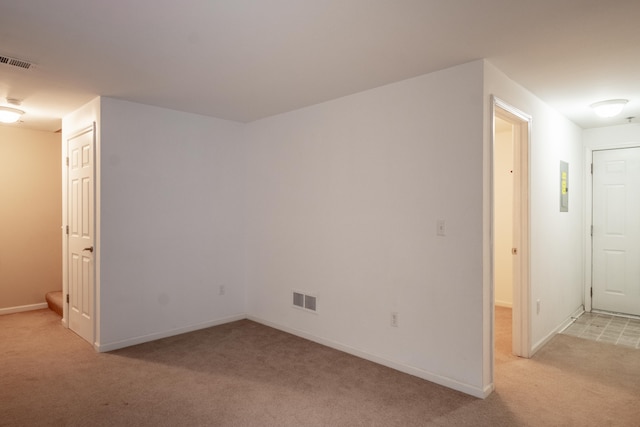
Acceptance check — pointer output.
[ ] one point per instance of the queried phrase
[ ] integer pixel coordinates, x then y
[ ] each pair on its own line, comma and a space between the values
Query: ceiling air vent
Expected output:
15, 62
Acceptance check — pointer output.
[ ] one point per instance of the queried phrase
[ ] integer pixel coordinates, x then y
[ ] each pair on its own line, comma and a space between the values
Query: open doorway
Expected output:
510, 223
30, 218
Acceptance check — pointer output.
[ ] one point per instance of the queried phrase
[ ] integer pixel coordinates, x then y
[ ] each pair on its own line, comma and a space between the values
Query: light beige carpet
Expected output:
246, 374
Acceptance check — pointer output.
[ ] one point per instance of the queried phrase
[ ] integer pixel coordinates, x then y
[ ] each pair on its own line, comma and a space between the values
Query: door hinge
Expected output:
67, 298
67, 161
591, 168
67, 228
592, 231
591, 293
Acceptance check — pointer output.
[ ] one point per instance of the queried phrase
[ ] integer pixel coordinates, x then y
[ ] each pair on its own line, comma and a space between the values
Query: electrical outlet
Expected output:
394, 319
222, 290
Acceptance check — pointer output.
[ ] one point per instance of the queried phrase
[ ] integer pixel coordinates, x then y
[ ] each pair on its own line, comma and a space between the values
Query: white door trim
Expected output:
588, 217
521, 328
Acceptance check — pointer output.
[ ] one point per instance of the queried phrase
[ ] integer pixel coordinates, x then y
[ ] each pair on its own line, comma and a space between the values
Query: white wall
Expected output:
614, 136
171, 190
340, 200
556, 239
503, 216
343, 199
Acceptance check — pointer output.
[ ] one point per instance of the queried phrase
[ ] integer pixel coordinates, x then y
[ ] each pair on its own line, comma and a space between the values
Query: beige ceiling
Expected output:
247, 59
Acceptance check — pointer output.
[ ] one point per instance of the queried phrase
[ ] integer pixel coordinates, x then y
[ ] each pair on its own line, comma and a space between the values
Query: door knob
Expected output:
90, 249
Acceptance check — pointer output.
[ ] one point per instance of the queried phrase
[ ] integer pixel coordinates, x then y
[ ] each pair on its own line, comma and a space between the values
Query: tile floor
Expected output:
606, 328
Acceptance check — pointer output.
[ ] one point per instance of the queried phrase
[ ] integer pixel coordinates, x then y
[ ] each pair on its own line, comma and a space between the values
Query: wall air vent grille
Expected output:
310, 302
305, 302
15, 62
298, 299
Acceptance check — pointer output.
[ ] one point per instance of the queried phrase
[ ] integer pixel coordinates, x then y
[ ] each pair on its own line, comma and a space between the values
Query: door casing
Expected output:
521, 329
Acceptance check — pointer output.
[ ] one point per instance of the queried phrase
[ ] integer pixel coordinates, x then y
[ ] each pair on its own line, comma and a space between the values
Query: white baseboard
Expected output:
564, 325
398, 366
101, 348
19, 309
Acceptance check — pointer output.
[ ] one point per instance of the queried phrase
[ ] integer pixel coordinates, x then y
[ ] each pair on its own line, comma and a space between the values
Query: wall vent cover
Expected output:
15, 62
304, 301
310, 302
298, 299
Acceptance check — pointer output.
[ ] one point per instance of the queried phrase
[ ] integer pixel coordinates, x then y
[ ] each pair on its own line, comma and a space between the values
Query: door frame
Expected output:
521, 324
67, 136
588, 217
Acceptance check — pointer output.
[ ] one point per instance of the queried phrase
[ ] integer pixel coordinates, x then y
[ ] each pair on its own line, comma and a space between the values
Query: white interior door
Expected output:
616, 230
81, 234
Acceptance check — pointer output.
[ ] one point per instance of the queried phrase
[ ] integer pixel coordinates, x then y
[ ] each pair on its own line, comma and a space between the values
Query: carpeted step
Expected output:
54, 301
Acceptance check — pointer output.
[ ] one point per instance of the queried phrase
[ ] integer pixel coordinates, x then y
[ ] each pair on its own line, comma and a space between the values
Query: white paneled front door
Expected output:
81, 233
616, 230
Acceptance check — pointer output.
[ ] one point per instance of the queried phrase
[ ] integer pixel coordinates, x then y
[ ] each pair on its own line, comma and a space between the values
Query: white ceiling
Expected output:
247, 59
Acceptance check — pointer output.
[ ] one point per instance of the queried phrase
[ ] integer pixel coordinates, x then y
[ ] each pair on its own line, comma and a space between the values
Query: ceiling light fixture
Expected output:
609, 108
10, 115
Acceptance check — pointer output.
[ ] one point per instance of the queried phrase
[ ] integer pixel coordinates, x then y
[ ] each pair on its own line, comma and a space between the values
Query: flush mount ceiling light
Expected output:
10, 115
609, 108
